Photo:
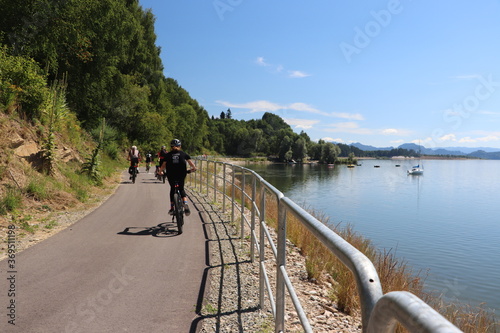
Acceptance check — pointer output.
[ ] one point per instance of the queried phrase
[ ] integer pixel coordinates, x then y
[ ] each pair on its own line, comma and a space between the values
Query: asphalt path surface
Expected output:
112, 271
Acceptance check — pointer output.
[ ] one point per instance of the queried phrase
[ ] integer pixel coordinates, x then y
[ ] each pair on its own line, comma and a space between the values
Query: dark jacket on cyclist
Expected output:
162, 154
175, 162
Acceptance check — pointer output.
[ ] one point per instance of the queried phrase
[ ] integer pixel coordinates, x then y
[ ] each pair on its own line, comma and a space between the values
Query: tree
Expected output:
329, 153
299, 149
285, 148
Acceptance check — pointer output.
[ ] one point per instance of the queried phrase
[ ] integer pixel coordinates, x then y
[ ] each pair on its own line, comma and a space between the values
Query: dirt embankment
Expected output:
42, 205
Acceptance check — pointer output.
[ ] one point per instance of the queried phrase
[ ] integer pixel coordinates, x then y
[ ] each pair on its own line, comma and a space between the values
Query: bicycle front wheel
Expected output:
179, 212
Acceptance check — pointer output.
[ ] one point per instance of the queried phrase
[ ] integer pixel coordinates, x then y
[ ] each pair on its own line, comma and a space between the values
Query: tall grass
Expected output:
395, 274
11, 200
38, 189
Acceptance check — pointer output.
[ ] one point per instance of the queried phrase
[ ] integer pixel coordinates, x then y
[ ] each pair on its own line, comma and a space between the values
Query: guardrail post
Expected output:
215, 181
233, 194
242, 232
201, 175
262, 245
224, 188
208, 176
193, 176
280, 261
252, 231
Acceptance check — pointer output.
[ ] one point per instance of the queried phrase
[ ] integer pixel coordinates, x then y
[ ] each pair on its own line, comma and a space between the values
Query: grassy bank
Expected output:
32, 197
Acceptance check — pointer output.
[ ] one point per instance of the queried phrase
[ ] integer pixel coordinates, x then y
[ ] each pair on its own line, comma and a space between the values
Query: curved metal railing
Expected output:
379, 312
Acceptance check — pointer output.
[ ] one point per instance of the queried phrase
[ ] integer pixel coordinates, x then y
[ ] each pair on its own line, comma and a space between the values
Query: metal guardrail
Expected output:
380, 313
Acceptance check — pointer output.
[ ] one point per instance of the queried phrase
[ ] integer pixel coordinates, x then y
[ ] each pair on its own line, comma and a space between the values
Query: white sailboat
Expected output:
416, 170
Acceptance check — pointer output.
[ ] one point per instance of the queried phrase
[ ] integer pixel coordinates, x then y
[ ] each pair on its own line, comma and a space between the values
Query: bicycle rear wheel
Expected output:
134, 175
179, 212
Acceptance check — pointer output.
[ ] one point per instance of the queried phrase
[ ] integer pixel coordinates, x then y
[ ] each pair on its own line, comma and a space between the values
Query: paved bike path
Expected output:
110, 271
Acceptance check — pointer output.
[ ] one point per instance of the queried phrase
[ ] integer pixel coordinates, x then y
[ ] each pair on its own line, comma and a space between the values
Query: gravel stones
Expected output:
231, 302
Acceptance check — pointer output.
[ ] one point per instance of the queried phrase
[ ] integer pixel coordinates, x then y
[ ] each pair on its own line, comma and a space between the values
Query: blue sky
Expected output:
381, 73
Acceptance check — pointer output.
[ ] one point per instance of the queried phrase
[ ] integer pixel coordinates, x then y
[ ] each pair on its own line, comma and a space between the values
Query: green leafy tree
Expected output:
23, 86
329, 153
299, 151
285, 148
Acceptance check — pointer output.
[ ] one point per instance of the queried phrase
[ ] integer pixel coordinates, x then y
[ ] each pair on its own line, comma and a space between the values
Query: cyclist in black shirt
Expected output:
174, 164
161, 157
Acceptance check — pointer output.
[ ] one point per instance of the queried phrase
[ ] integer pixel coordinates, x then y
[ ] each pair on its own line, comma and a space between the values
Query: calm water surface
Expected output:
446, 221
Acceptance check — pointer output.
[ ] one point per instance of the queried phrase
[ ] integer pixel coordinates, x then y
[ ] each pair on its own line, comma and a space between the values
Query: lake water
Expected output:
446, 221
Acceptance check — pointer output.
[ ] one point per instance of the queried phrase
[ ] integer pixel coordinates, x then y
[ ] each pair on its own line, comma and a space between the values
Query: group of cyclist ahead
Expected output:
172, 164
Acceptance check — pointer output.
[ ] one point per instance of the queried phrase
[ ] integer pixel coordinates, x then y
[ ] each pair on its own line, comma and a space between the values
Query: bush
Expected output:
22, 84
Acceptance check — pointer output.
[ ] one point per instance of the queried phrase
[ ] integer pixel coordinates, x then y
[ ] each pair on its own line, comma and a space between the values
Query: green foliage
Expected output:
299, 149
92, 164
78, 184
51, 224
11, 201
53, 114
37, 189
22, 85
329, 153
109, 141
112, 69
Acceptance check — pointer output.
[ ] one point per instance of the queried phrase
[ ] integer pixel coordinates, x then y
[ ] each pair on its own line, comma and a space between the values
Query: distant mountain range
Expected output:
480, 152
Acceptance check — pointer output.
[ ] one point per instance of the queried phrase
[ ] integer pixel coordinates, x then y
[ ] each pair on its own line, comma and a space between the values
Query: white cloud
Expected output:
301, 123
279, 69
448, 137
345, 115
297, 74
484, 139
348, 127
265, 106
328, 139
255, 106
261, 62
302, 107
390, 131
467, 140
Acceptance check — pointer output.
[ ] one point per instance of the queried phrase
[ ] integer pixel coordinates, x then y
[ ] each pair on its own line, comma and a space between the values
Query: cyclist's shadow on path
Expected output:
166, 229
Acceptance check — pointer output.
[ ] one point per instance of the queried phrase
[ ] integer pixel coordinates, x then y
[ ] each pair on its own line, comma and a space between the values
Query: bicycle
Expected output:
133, 174
178, 213
159, 176
149, 158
